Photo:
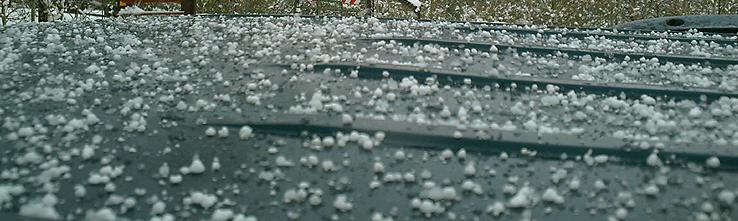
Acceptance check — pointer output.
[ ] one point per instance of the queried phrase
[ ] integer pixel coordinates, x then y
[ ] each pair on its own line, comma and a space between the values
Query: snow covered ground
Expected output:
290, 118
21, 15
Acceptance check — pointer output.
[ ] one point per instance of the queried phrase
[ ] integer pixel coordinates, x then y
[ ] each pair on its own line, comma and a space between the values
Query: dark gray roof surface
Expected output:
277, 118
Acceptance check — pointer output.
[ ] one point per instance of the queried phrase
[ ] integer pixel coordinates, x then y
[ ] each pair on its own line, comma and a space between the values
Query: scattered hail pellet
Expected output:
196, 167
378, 167
461, 154
470, 169
210, 131
223, 132
245, 132
342, 204
446, 154
713, 162
347, 119
215, 166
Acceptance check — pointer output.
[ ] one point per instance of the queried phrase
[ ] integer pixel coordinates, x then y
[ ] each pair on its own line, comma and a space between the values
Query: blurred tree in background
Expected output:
579, 13
546, 12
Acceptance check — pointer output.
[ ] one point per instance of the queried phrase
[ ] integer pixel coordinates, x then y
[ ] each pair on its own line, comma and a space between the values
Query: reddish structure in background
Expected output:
351, 2
188, 6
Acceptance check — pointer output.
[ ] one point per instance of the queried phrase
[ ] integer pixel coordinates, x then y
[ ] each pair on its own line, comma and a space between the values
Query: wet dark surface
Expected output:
705, 23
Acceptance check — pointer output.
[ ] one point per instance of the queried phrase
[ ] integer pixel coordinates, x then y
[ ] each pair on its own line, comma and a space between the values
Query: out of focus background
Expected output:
579, 13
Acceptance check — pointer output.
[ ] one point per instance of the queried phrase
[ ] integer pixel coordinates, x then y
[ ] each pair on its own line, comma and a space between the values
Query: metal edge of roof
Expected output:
549, 146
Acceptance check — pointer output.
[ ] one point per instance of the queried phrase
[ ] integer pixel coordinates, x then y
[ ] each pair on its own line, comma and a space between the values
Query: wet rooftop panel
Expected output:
321, 118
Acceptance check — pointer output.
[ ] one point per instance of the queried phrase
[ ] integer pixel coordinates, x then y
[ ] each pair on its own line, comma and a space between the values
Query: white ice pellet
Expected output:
104, 214
374, 184
87, 152
328, 165
457, 134
245, 132
497, 208
281, 161
504, 156
695, 112
707, 207
399, 155
558, 175
446, 154
391, 96
310, 161
461, 154
204, 200
470, 170
223, 132
25, 132
175, 179
241, 217
409, 177
315, 199
164, 170
158, 208
651, 190
210, 131
429, 207
80, 191
196, 167
378, 92
653, 160
713, 162
329, 141
522, 199
110, 187
98, 179
367, 144
726, 197
342, 204
551, 195
347, 119
601, 159
493, 49
469, 185
215, 166
621, 213
294, 195
378, 167
379, 136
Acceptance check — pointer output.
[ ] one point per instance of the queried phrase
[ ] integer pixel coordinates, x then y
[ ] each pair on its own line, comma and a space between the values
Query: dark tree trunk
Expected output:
3, 16
33, 14
189, 6
43, 11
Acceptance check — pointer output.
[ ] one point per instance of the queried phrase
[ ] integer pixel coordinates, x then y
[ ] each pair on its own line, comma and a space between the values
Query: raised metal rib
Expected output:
481, 140
520, 29
677, 59
449, 77
581, 33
